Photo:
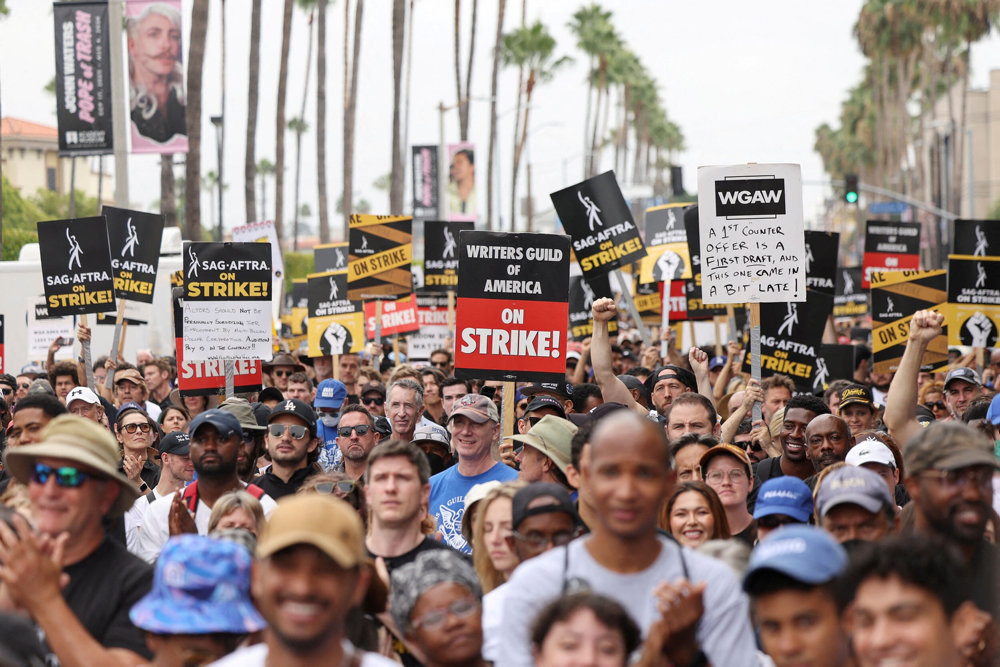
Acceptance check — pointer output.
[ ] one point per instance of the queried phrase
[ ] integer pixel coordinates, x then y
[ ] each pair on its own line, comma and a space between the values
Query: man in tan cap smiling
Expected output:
543, 453
73, 483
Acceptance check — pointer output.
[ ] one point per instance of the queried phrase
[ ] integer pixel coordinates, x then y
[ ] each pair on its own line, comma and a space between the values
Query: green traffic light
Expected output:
852, 197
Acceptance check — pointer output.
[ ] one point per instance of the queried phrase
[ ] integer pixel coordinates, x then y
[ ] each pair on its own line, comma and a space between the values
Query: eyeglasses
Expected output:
345, 431
540, 541
66, 476
280, 373
959, 479
131, 428
342, 487
373, 400
735, 476
435, 618
532, 420
278, 430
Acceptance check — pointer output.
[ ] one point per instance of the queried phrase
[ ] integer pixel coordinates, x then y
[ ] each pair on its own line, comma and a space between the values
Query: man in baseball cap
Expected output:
83, 402
961, 386
782, 501
291, 442
435, 442
252, 442
853, 503
560, 391
330, 396
857, 408
877, 457
543, 453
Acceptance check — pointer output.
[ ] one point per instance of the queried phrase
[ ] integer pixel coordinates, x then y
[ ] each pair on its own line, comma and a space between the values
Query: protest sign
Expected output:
512, 306
76, 266
227, 301
300, 306
83, 78
752, 243
596, 215
265, 232
896, 295
398, 317
336, 324
44, 328
973, 300
790, 335
425, 182
833, 363
330, 257
821, 261
667, 256
695, 307
381, 249
582, 293
441, 254
432, 314
134, 238
977, 238
849, 300
890, 246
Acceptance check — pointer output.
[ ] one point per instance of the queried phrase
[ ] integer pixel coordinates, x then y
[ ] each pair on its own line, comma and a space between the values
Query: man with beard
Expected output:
356, 437
827, 442
961, 387
215, 442
252, 443
291, 442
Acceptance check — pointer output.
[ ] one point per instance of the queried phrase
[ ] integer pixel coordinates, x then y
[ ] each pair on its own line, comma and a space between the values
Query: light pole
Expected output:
217, 122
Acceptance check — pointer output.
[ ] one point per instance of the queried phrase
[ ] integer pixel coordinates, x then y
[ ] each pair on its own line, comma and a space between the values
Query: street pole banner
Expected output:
398, 317
44, 328
752, 243
330, 257
432, 314
425, 182
790, 336
265, 232
890, 246
512, 306
582, 294
973, 300
834, 362
336, 324
83, 78
667, 256
850, 299
695, 308
300, 305
461, 200
134, 237
381, 249
76, 266
977, 238
821, 261
441, 253
896, 296
596, 215
227, 301
157, 95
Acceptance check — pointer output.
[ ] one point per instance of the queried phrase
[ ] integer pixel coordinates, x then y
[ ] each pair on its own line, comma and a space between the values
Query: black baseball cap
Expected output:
294, 406
270, 394
539, 402
564, 389
177, 442
558, 494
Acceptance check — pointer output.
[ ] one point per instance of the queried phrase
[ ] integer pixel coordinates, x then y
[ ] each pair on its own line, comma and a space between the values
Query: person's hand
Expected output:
925, 326
979, 325
507, 453
55, 345
180, 520
111, 364
681, 606
32, 565
82, 333
604, 309
752, 393
976, 638
760, 433
133, 468
651, 357
373, 350
698, 360
585, 349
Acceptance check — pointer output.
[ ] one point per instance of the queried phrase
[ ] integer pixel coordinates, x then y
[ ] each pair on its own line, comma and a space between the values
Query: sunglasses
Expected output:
24, 385
278, 430
937, 405
66, 476
7, 391
772, 521
281, 374
439, 364
376, 400
342, 487
131, 428
345, 431
754, 446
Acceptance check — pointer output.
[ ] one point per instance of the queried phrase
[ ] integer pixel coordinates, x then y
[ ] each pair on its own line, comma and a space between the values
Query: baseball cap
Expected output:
573, 354
225, 423
377, 387
870, 451
293, 406
682, 375
317, 519
476, 407
967, 374
201, 585
131, 375
716, 362
856, 393
473, 496
632, 382
729, 450
433, 433
992, 414
270, 394
947, 446
382, 426
557, 493
553, 437
243, 411
784, 495
925, 417
330, 394
564, 389
804, 553
539, 402
854, 485
177, 442
85, 394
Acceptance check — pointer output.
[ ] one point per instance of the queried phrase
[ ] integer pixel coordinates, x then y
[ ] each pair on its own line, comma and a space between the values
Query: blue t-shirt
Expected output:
447, 500
330, 456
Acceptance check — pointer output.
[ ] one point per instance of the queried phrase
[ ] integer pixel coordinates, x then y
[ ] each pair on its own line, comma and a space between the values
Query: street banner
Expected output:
835, 362
461, 200
44, 328
890, 246
300, 306
157, 95
134, 238
398, 317
381, 248
973, 300
76, 266
330, 257
441, 254
336, 324
978, 238
695, 307
83, 78
227, 301
667, 256
790, 336
512, 306
752, 243
426, 187
821, 261
849, 300
896, 296
432, 314
596, 215
265, 232
582, 294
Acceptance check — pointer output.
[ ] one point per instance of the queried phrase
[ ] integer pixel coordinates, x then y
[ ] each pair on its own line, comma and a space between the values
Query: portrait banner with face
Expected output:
134, 237
76, 266
896, 296
83, 78
157, 92
426, 187
441, 254
462, 181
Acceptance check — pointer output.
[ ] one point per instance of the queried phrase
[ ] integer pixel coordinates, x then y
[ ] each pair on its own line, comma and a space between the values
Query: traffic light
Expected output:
851, 189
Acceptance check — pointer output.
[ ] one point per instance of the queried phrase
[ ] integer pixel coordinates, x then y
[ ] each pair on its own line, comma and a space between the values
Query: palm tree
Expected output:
249, 161
324, 216
350, 103
196, 57
594, 32
279, 150
497, 57
398, 171
298, 126
263, 169
463, 92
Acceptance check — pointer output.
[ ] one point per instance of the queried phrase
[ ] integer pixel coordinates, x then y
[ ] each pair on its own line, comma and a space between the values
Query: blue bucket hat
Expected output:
201, 585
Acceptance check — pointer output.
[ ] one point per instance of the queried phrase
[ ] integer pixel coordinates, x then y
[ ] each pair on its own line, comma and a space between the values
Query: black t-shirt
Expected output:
427, 544
102, 589
276, 487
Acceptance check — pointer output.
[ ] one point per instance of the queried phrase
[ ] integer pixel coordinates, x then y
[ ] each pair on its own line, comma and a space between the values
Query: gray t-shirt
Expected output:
724, 631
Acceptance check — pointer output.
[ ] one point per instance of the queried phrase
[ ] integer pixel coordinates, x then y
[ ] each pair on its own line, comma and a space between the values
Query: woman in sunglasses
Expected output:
137, 437
932, 398
338, 484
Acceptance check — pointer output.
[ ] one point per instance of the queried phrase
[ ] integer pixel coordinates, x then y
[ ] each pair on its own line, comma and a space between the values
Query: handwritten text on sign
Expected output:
202, 322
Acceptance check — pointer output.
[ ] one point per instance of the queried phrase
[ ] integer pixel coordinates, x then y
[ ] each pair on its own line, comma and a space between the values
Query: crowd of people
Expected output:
361, 511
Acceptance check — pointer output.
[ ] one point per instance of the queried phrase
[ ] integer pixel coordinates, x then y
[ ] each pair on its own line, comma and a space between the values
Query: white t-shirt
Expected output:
256, 656
133, 518
494, 634
155, 529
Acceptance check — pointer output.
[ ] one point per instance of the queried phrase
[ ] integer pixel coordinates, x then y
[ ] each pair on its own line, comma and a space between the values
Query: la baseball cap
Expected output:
293, 406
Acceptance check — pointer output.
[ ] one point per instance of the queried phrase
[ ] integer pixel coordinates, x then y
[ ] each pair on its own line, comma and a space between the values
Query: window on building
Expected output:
50, 178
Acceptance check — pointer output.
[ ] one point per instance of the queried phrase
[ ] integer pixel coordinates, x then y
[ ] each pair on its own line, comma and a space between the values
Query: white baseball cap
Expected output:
870, 451
84, 394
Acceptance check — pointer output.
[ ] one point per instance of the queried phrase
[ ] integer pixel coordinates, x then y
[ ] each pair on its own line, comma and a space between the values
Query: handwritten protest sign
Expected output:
890, 246
76, 266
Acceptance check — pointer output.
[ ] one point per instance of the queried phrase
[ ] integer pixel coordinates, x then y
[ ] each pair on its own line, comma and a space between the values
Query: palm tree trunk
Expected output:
250, 158
350, 108
459, 96
299, 128
279, 149
192, 164
586, 118
466, 103
168, 193
406, 103
958, 140
324, 213
396, 176
497, 51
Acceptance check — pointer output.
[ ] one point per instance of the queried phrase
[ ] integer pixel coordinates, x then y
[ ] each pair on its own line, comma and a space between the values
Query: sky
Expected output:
745, 81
